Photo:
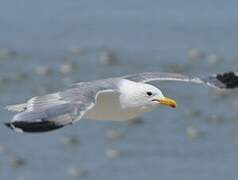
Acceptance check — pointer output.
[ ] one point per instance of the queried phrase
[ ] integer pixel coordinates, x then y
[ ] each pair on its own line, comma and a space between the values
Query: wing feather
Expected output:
53, 111
228, 80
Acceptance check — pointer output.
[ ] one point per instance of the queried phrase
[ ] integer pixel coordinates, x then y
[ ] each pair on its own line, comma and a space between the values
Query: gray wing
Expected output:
226, 80
53, 111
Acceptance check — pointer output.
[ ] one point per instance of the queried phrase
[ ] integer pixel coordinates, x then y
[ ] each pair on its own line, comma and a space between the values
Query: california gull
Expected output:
118, 98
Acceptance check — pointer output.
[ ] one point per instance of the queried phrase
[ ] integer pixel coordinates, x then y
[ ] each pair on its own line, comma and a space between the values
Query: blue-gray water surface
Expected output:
47, 45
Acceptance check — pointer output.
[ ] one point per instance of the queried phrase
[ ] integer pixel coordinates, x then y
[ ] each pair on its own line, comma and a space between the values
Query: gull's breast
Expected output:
108, 107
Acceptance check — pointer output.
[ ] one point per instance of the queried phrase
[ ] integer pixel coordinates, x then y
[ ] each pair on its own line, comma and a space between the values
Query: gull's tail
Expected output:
41, 114
42, 120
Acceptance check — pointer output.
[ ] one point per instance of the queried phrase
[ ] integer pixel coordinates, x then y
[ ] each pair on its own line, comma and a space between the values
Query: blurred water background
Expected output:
47, 45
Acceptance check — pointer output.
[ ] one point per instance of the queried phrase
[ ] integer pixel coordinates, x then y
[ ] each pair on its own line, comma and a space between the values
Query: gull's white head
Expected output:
145, 96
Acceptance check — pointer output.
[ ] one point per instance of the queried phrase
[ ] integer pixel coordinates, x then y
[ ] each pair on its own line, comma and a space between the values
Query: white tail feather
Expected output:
16, 107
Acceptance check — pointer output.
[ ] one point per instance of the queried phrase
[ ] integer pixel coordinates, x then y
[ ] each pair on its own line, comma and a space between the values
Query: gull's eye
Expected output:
149, 93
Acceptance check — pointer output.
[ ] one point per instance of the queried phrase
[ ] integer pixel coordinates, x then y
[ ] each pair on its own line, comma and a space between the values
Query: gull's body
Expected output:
118, 99
109, 105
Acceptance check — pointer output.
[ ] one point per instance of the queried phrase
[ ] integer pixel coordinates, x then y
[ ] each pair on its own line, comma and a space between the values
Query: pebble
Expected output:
42, 70
114, 134
3, 80
194, 133
17, 162
214, 59
40, 90
194, 113
136, 121
215, 119
2, 148
76, 50
22, 178
219, 94
66, 68
177, 68
75, 172
236, 140
17, 77
67, 81
235, 105
112, 153
70, 140
107, 58
6, 53
195, 54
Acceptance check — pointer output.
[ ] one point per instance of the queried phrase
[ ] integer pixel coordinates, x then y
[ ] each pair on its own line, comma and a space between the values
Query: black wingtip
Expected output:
229, 79
36, 127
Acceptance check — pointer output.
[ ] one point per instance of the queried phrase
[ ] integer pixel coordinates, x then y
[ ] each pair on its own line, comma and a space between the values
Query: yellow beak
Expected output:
167, 102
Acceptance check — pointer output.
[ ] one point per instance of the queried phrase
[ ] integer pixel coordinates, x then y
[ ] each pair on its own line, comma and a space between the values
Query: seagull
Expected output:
116, 98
